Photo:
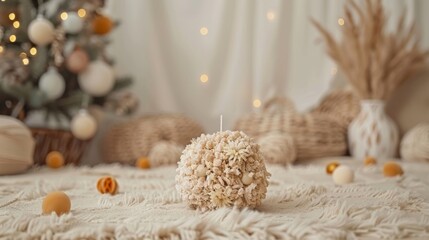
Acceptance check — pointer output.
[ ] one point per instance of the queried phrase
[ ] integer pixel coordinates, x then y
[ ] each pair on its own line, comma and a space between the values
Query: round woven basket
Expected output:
315, 134
273, 116
48, 140
130, 140
344, 105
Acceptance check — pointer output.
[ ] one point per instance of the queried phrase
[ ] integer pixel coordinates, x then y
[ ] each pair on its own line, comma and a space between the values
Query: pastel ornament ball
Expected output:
77, 61
224, 169
73, 24
41, 31
57, 202
52, 84
83, 125
98, 79
101, 24
343, 175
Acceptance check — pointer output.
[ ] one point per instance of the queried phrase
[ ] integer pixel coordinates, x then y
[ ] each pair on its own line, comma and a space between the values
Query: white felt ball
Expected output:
73, 23
343, 175
97, 79
52, 84
83, 125
41, 31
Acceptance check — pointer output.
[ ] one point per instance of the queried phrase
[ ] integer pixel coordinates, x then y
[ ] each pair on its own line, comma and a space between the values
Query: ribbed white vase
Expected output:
373, 133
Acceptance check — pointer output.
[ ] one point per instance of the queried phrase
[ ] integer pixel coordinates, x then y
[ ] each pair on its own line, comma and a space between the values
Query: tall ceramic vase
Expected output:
373, 133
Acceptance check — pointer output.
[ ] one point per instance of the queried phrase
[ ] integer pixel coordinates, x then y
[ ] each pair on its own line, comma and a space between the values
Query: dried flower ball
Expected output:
57, 202
368, 161
224, 169
107, 185
54, 159
392, 169
331, 167
143, 163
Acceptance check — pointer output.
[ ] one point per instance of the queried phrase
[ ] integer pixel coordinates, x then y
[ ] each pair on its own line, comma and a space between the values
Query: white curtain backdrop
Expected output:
254, 49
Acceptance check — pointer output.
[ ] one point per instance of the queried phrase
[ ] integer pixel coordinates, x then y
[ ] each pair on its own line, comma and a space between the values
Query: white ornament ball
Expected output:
164, 153
83, 125
224, 169
73, 24
343, 175
52, 84
97, 79
41, 31
415, 144
277, 148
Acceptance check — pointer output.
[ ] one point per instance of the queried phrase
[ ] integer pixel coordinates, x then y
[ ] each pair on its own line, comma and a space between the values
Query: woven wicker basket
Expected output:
344, 105
128, 141
273, 115
315, 135
48, 140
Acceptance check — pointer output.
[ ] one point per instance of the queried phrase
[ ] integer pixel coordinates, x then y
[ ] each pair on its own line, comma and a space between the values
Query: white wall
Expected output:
246, 55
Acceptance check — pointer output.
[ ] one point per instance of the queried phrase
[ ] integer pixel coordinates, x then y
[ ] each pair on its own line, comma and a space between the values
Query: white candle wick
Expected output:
221, 122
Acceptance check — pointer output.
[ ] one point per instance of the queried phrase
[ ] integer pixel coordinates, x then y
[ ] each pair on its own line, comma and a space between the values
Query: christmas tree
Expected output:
53, 58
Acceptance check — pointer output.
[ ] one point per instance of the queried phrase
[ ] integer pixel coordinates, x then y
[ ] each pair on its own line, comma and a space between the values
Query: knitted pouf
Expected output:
224, 169
415, 144
164, 153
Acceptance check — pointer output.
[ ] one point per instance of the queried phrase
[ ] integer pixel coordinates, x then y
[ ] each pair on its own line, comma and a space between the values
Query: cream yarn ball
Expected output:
164, 153
415, 144
224, 169
277, 148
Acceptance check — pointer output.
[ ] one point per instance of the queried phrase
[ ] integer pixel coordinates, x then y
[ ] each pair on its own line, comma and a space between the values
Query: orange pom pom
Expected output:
54, 159
107, 185
101, 25
331, 167
392, 169
369, 161
143, 162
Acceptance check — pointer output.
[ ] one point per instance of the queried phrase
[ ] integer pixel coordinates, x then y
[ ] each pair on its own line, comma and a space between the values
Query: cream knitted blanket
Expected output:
302, 203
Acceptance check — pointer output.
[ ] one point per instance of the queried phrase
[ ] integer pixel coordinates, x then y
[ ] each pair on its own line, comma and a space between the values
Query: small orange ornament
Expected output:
331, 167
101, 25
392, 169
368, 161
107, 185
57, 202
143, 162
54, 159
